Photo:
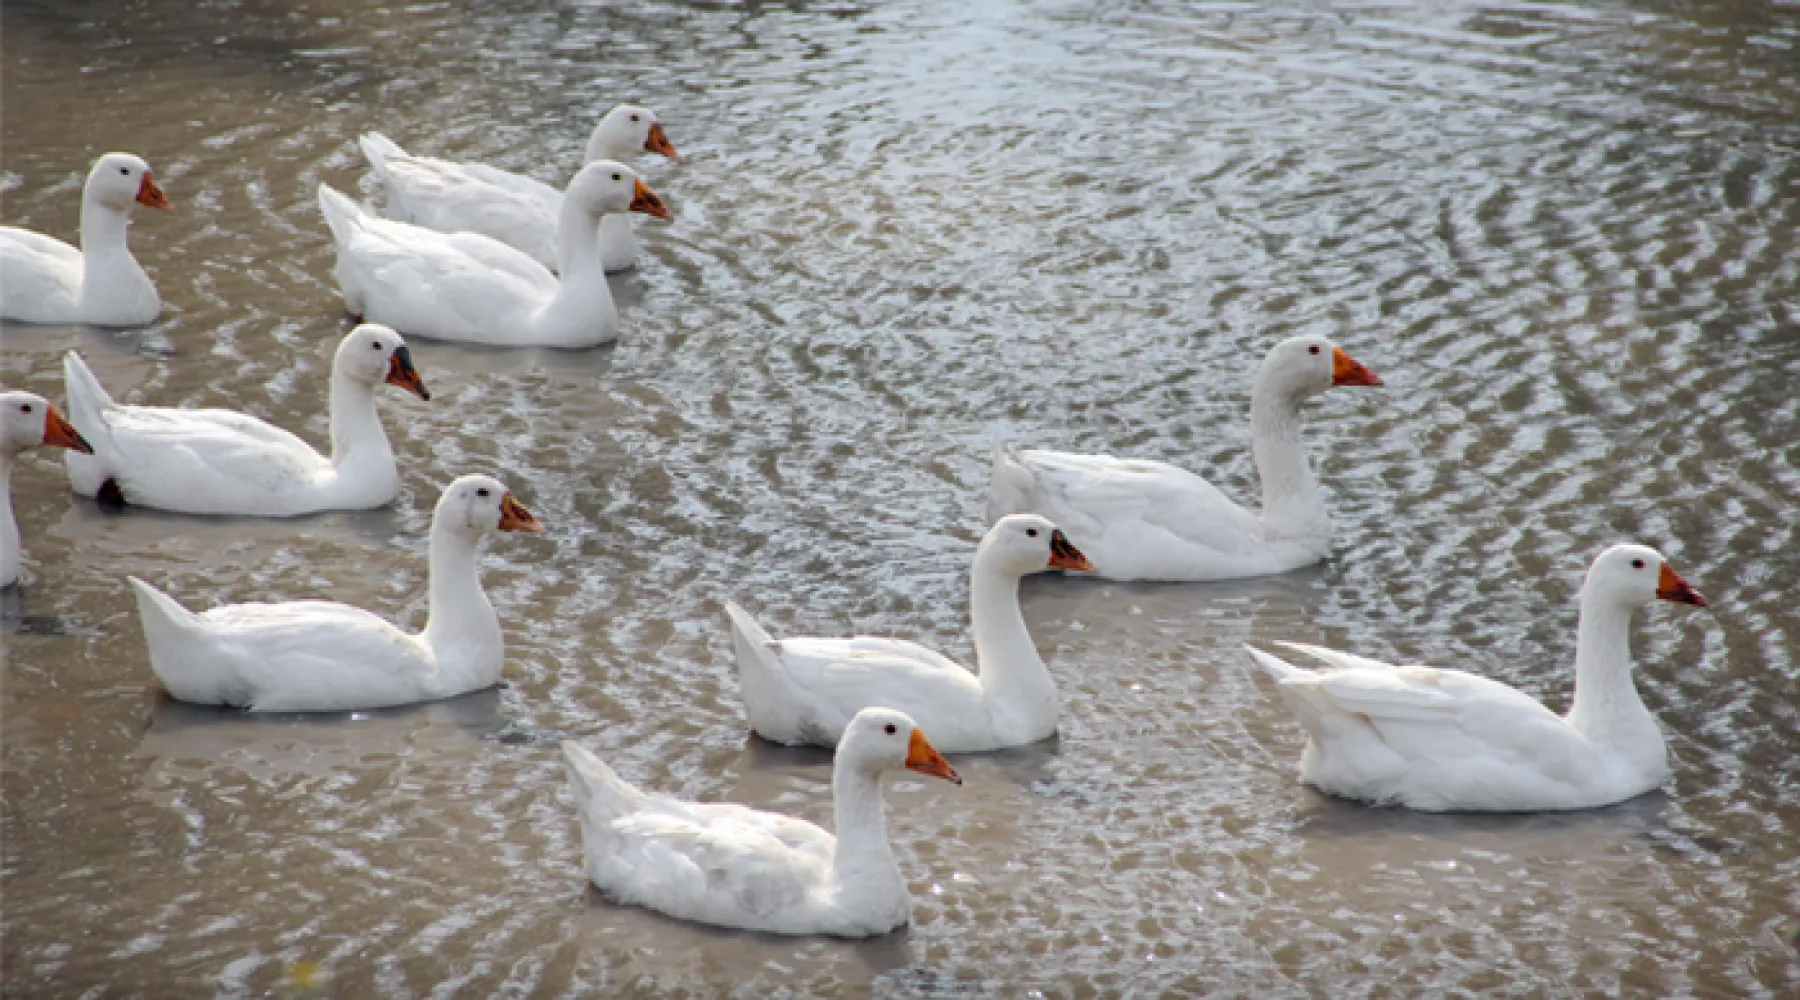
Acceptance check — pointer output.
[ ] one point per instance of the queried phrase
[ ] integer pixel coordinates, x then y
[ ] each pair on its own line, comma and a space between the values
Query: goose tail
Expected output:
88, 403
1012, 489
169, 631
598, 788
378, 149
1275, 666
341, 213
754, 645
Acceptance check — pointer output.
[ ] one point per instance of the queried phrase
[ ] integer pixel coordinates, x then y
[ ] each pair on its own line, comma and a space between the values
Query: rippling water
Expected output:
1565, 235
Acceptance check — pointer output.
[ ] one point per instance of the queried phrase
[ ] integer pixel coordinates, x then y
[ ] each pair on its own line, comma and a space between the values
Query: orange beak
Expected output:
402, 373
922, 757
514, 517
1064, 555
1671, 587
151, 195
62, 434
1346, 370
658, 142
648, 203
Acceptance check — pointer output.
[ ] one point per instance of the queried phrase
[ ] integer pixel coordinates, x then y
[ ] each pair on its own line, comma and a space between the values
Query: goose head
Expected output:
475, 505
120, 180
1299, 367
627, 130
1626, 576
1021, 544
883, 739
608, 187
27, 420
373, 354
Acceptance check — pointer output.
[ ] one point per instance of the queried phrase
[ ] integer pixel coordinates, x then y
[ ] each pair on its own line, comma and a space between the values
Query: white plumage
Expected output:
806, 690
27, 420
319, 656
44, 280
214, 461
472, 288
1147, 520
730, 865
453, 197
1442, 740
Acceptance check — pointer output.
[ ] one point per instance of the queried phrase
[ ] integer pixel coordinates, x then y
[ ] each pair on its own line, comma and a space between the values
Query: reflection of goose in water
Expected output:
206, 764
187, 740
212, 548
641, 942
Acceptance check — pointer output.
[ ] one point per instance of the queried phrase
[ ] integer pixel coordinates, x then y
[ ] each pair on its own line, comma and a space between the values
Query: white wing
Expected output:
471, 197
833, 679
311, 655
722, 863
1433, 715
1136, 519
40, 277
204, 461
455, 286
720, 871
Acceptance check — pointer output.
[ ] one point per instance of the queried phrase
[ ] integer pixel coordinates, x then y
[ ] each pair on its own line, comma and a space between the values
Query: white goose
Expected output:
807, 690
1145, 520
1444, 740
725, 864
27, 420
455, 197
468, 287
44, 280
319, 656
225, 462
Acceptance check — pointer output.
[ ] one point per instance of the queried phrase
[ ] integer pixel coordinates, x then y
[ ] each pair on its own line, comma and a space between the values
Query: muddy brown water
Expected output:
1564, 233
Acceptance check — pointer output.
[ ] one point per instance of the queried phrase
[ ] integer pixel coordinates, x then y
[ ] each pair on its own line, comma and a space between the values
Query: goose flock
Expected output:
469, 253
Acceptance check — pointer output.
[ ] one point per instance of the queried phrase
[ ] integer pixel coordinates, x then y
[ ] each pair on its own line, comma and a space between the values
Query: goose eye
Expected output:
1314, 349
1637, 564
125, 170
1030, 532
617, 177
634, 117
890, 729
24, 407
376, 345
482, 492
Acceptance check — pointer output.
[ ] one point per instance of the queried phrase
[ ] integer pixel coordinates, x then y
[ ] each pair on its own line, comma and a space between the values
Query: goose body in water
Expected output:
321, 656
453, 197
1145, 520
726, 864
44, 280
1444, 740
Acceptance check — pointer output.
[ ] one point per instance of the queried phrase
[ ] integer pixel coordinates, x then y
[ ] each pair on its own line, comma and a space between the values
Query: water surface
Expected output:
1565, 235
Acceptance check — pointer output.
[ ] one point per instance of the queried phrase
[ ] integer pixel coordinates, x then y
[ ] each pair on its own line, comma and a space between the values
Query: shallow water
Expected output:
1565, 235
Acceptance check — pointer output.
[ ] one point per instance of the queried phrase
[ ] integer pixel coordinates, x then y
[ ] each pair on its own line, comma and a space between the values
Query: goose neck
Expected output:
103, 228
582, 311
1606, 701
357, 436
1292, 504
9, 527
1010, 668
577, 241
461, 629
864, 860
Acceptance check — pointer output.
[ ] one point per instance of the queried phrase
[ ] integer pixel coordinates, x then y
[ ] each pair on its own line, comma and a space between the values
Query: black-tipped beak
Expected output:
402, 373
